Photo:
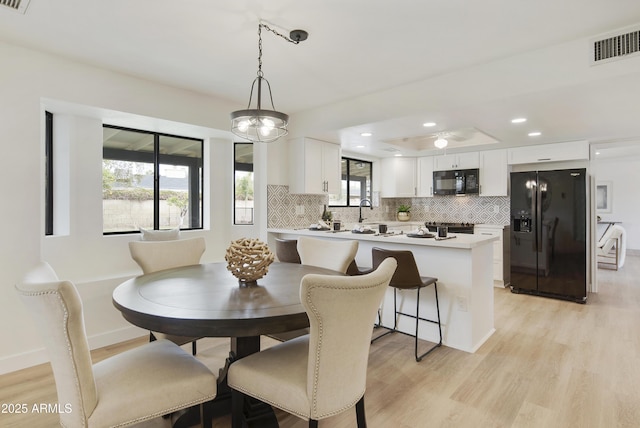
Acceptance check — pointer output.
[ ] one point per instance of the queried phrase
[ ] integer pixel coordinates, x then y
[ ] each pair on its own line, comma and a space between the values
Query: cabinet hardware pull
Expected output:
544, 159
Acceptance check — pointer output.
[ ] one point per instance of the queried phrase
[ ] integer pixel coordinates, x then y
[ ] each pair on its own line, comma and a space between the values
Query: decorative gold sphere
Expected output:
248, 259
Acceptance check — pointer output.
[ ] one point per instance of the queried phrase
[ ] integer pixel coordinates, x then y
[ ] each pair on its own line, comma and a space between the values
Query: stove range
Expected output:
452, 227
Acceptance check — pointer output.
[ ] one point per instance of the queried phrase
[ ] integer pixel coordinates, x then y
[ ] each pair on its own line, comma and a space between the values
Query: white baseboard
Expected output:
116, 336
35, 357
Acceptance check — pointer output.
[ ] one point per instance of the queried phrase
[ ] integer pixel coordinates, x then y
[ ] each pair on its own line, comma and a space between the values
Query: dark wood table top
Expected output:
206, 300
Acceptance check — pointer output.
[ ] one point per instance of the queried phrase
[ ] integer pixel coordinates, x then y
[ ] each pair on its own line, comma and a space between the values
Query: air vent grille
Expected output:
17, 5
616, 47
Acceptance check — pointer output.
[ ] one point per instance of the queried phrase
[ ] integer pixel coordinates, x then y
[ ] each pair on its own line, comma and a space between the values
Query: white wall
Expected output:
624, 174
81, 98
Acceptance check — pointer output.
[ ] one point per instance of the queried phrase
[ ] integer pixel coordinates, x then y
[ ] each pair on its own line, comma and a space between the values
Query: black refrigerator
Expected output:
548, 233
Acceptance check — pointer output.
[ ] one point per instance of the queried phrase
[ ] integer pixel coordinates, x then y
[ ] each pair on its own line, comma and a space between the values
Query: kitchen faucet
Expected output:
363, 201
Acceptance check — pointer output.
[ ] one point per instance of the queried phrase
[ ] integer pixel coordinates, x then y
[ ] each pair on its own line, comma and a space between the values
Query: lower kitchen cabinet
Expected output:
501, 252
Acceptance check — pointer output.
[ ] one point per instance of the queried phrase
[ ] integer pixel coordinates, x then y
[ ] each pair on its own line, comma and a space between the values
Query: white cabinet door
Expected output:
398, 177
468, 160
331, 158
312, 163
314, 166
498, 251
459, 161
425, 176
574, 150
494, 173
444, 162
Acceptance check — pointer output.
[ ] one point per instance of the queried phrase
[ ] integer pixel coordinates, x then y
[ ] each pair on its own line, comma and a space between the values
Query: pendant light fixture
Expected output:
260, 125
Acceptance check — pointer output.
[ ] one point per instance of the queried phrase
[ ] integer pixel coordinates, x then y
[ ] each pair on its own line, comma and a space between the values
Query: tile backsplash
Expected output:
286, 210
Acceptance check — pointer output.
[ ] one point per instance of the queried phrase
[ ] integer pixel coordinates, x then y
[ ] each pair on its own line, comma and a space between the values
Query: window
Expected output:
356, 183
150, 180
243, 183
48, 191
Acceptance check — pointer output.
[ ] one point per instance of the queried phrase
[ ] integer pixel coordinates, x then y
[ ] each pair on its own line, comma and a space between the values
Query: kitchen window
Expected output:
355, 185
150, 180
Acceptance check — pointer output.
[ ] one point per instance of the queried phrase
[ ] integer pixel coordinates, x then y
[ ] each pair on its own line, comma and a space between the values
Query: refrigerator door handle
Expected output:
539, 217
533, 217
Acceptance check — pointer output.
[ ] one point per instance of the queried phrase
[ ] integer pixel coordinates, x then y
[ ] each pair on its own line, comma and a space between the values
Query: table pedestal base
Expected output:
256, 413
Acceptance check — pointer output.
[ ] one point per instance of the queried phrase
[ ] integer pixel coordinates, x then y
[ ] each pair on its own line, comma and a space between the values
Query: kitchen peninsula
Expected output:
463, 266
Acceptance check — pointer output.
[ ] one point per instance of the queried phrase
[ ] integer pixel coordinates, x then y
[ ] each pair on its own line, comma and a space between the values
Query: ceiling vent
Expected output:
17, 5
619, 46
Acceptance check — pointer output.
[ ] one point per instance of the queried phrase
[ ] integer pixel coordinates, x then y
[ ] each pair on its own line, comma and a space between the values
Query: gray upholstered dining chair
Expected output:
143, 383
329, 254
153, 256
287, 250
323, 373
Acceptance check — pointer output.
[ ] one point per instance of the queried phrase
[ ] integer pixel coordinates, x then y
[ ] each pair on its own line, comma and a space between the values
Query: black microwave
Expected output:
456, 182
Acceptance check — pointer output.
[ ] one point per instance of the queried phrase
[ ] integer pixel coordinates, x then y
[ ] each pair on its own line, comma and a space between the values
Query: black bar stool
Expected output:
287, 250
407, 277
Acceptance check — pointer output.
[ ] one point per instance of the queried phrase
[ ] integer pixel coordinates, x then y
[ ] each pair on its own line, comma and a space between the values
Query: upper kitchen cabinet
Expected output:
398, 177
457, 161
494, 173
574, 150
425, 176
314, 166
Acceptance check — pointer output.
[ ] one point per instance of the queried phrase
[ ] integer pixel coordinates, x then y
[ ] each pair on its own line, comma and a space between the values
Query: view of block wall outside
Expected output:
150, 180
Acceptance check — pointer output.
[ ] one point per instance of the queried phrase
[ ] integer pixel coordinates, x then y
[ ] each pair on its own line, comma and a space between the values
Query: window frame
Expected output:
195, 165
240, 166
346, 178
48, 191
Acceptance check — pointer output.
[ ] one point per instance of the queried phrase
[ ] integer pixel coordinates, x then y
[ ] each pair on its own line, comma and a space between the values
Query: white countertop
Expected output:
459, 240
490, 226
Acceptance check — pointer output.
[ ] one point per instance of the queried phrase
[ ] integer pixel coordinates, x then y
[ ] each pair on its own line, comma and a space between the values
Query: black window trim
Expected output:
195, 166
240, 166
346, 178
48, 150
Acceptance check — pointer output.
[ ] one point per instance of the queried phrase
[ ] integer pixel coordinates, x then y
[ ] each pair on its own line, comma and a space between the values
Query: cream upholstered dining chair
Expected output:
153, 256
323, 373
611, 248
329, 254
143, 383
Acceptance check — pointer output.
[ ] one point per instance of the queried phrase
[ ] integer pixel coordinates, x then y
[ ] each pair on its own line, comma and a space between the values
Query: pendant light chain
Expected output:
260, 74
295, 42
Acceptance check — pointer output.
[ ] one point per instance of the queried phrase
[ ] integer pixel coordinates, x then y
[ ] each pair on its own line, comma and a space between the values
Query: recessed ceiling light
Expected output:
398, 154
366, 134
534, 134
519, 120
429, 124
597, 153
360, 147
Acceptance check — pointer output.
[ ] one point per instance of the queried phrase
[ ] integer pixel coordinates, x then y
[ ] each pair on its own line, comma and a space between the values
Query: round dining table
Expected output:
206, 300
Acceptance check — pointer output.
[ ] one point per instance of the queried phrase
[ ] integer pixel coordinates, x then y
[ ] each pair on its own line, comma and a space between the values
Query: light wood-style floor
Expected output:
550, 364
